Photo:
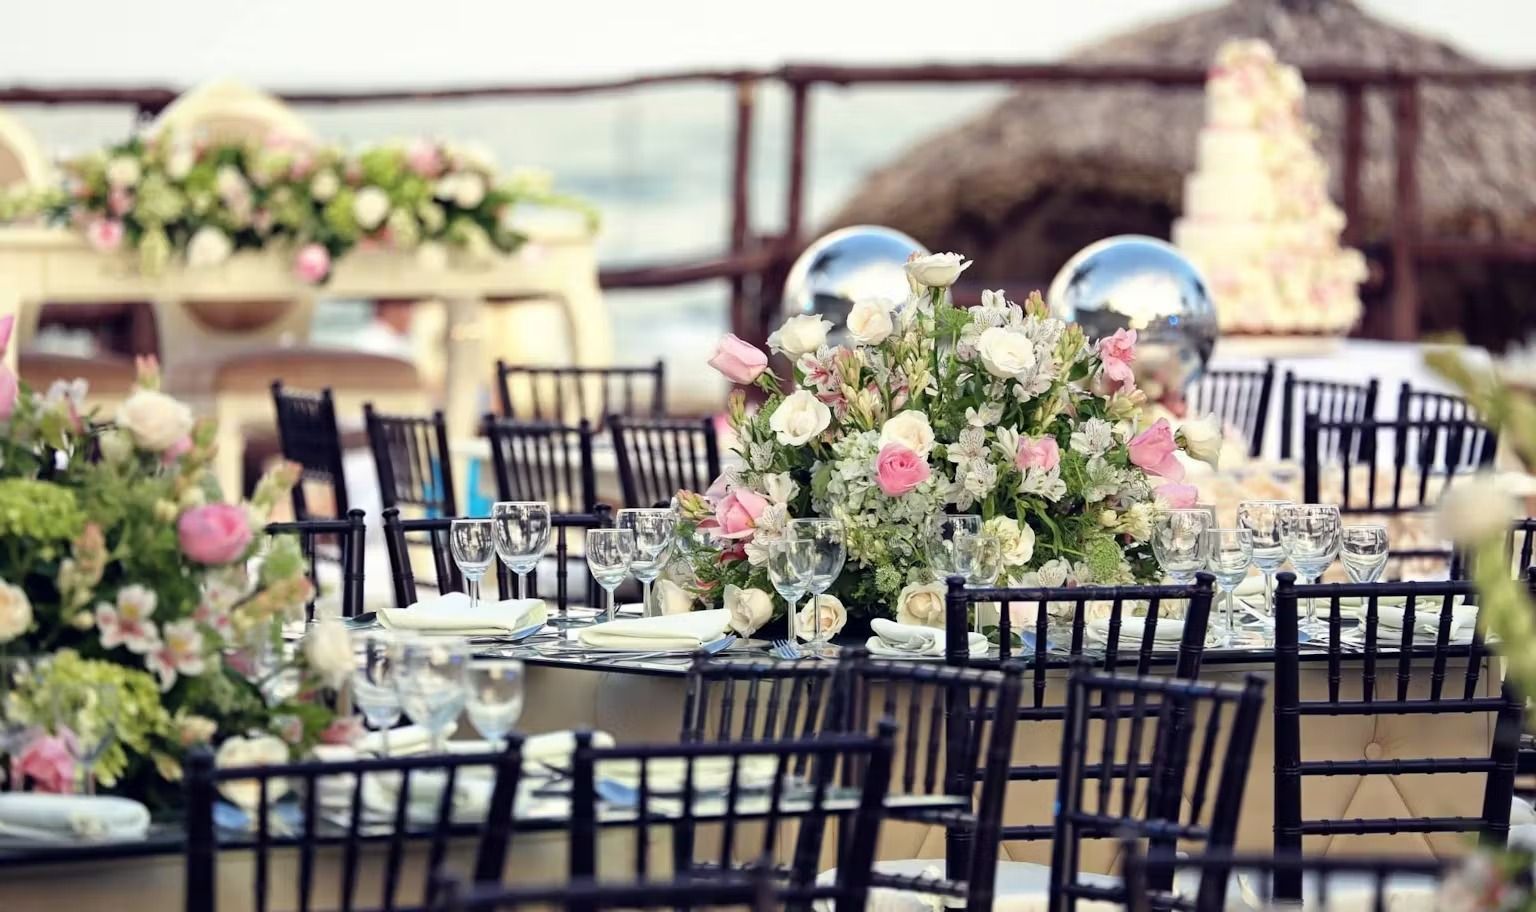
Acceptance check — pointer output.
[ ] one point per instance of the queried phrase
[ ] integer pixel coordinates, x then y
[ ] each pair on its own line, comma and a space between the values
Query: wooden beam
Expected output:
1405, 213
742, 311
1354, 156
799, 117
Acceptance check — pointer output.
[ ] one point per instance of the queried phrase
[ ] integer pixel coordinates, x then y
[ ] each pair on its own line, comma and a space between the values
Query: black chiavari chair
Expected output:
729, 701
307, 434
400, 534
273, 836
746, 891
1237, 398
541, 460
345, 541
659, 456
1327, 399
724, 801
1421, 404
569, 394
1164, 772
413, 462
1422, 673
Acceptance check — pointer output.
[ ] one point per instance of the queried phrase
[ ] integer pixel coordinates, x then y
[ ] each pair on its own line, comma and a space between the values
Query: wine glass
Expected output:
654, 531
473, 543
609, 555
981, 560
495, 697
1230, 552
95, 730
1311, 533
1262, 520
943, 535
375, 689
521, 532
790, 562
1178, 543
431, 682
827, 556
1363, 552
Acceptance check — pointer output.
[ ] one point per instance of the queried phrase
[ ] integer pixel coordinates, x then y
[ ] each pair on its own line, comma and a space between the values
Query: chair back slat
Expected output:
1331, 401
307, 434
1238, 399
413, 461
540, 460
657, 457
571, 394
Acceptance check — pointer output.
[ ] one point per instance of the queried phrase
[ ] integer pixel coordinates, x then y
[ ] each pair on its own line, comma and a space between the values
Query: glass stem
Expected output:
472, 583
645, 598
522, 585
789, 625
88, 779
1269, 591
611, 606
1231, 621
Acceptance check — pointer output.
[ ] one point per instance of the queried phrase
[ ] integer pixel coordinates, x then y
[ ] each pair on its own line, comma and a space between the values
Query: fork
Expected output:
784, 649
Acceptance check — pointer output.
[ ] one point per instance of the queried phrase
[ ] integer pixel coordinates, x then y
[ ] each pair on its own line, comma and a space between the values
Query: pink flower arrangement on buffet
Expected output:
922, 408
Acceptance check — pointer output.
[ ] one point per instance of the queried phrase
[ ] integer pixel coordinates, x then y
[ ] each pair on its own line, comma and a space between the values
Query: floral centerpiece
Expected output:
136, 596
200, 202
999, 410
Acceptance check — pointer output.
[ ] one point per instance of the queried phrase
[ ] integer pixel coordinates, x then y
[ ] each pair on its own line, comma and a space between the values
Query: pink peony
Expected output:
214, 533
899, 471
8, 385
424, 159
106, 235
736, 515
1177, 496
312, 264
739, 361
1043, 453
49, 761
1116, 353
1153, 451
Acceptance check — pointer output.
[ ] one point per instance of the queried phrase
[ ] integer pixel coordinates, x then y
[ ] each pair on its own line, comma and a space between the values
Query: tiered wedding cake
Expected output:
1257, 217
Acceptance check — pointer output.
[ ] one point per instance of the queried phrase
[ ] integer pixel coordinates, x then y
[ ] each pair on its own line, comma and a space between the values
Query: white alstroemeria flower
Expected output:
994, 310
1094, 438
988, 415
780, 487
1007, 444
1041, 483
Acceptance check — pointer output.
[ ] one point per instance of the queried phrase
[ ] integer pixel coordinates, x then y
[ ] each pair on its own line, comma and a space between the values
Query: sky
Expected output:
346, 43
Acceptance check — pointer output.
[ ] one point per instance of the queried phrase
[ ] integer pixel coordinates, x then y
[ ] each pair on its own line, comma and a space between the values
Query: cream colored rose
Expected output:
869, 322
328, 650
1015, 540
1005, 354
15, 612
750, 609
178, 164
672, 598
209, 247
800, 418
154, 419
1474, 511
910, 429
239, 751
469, 190
370, 208
324, 185
800, 335
123, 172
1201, 439
921, 604
826, 611
936, 270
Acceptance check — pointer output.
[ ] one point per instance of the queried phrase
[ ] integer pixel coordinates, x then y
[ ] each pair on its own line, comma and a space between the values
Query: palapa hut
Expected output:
1057, 166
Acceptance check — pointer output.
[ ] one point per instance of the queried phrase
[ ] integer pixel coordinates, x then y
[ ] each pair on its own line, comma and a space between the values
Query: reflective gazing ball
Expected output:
1142, 283
847, 266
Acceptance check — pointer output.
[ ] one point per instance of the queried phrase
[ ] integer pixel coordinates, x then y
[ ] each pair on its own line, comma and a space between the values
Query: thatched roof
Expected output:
1054, 167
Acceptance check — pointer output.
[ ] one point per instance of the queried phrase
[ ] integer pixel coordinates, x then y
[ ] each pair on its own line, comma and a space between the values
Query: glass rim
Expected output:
469, 520
644, 510
520, 503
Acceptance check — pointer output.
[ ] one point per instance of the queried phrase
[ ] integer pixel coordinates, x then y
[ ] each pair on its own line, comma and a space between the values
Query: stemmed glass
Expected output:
654, 531
521, 532
981, 561
610, 552
827, 555
431, 680
95, 730
946, 537
1311, 533
1262, 520
1363, 552
375, 688
1178, 543
473, 543
495, 697
790, 562
1230, 553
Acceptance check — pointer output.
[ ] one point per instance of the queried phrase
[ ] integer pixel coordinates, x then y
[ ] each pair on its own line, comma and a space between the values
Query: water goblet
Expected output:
982, 563
827, 556
1262, 520
943, 533
790, 562
431, 681
655, 530
94, 725
1363, 552
522, 532
1178, 543
1230, 552
1311, 533
375, 688
473, 543
610, 552
495, 697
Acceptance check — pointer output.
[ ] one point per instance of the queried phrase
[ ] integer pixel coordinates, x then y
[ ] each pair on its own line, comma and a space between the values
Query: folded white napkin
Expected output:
669, 632
70, 817
1132, 629
453, 614
406, 739
1427, 620
905, 640
668, 773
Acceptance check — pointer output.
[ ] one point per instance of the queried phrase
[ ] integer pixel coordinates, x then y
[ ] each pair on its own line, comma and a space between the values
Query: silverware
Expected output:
786, 650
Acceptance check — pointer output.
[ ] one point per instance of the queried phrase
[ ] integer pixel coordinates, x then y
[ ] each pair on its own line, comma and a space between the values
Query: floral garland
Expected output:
200, 202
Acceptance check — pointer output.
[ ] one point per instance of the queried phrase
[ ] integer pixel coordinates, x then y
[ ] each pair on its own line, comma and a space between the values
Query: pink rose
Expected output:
49, 761
214, 533
176, 450
899, 471
740, 362
106, 235
1153, 451
737, 513
424, 159
344, 730
1038, 454
312, 264
119, 201
1116, 353
8, 384
1177, 496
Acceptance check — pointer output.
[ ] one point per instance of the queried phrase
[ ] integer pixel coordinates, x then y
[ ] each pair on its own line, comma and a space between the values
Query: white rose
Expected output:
154, 419
800, 418
936, 270
1016, 540
324, 185
370, 207
1473, 511
921, 604
1201, 439
230, 183
780, 487
123, 172
469, 190
239, 751
208, 247
828, 610
15, 612
432, 256
750, 609
800, 335
328, 650
672, 598
869, 322
1006, 354
911, 429
178, 164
